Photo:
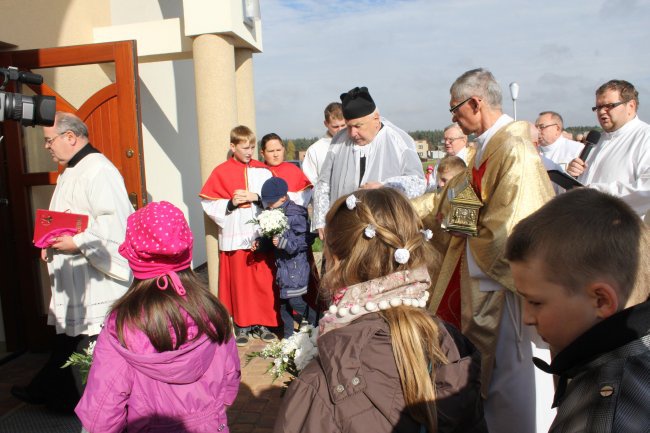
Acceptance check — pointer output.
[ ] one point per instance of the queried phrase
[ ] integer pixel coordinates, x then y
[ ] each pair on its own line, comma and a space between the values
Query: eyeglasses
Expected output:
453, 109
49, 140
543, 127
608, 106
450, 139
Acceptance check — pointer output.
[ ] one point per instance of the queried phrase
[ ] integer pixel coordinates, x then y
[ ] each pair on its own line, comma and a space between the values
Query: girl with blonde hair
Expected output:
384, 364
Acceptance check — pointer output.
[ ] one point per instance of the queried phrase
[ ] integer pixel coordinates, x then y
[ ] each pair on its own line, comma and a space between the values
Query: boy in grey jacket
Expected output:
580, 264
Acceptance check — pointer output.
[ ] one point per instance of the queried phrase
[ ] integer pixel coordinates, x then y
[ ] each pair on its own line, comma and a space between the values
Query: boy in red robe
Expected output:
231, 198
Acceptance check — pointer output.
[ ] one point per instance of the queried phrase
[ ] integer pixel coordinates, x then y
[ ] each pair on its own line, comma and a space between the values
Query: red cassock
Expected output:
246, 278
295, 178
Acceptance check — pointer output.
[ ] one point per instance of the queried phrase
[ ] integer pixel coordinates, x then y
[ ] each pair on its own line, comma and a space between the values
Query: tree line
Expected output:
433, 137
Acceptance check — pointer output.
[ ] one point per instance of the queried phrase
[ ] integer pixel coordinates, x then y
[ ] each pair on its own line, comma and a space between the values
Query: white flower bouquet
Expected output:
272, 222
82, 360
289, 355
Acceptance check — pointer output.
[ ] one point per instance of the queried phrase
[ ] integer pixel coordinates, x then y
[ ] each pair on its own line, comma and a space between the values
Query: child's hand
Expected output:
255, 245
276, 240
241, 196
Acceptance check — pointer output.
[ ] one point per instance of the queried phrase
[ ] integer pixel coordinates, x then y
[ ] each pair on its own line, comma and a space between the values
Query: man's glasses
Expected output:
49, 140
453, 109
450, 139
543, 127
608, 106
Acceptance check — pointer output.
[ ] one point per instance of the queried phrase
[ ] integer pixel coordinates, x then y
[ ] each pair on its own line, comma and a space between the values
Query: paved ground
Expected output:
254, 411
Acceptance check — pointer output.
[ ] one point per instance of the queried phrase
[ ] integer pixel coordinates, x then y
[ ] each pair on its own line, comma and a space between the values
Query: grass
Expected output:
317, 246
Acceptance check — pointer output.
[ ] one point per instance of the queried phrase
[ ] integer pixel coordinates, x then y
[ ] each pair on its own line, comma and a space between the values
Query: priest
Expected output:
370, 152
475, 289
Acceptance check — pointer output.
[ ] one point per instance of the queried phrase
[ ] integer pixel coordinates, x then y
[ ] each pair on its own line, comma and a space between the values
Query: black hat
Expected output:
273, 190
357, 103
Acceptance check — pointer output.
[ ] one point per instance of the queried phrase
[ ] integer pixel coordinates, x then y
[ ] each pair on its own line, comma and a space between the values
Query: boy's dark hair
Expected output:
268, 137
581, 236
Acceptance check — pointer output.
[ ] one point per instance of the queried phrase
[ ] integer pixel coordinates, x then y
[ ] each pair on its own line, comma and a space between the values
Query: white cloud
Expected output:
409, 52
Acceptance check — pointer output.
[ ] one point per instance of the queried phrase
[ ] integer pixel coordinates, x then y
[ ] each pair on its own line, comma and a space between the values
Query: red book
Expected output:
50, 223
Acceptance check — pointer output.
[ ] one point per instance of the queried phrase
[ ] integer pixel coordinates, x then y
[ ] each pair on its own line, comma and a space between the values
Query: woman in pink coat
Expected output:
165, 360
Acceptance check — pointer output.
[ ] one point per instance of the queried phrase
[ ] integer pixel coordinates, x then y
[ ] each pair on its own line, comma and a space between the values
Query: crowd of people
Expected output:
423, 327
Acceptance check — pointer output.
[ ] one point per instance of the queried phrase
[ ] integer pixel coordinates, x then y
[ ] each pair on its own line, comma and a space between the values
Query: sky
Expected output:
409, 52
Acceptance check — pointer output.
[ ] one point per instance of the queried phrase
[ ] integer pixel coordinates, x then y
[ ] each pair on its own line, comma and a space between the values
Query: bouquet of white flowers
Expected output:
82, 360
272, 222
289, 355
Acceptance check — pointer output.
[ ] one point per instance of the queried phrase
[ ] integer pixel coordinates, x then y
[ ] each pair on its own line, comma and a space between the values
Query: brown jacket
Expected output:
353, 385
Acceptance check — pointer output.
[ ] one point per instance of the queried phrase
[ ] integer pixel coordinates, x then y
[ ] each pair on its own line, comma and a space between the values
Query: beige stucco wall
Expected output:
167, 77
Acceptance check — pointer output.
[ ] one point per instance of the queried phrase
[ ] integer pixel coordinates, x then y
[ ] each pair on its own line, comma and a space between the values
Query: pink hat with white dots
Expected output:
158, 243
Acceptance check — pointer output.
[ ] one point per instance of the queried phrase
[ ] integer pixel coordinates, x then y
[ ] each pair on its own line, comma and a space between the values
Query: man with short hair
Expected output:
87, 274
620, 163
317, 152
552, 143
455, 142
475, 289
370, 153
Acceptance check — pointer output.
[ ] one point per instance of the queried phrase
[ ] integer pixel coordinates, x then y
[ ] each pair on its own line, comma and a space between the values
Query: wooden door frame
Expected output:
27, 333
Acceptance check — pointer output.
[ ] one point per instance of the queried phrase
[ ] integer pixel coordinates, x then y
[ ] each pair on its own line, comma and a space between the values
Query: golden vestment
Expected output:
514, 185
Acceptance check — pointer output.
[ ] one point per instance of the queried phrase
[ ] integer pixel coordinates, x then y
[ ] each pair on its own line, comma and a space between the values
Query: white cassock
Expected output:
562, 151
315, 157
391, 159
85, 285
620, 165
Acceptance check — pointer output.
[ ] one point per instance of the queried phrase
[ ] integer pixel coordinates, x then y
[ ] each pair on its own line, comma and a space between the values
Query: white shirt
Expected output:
562, 151
620, 165
236, 231
85, 285
314, 158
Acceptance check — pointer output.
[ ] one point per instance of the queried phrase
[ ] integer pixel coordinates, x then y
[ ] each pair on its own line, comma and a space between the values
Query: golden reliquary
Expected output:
465, 206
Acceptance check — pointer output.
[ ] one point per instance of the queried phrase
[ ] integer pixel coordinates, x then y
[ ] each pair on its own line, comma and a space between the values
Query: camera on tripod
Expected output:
28, 110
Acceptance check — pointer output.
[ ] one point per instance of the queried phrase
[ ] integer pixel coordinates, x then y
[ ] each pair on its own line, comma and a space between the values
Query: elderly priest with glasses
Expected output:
619, 164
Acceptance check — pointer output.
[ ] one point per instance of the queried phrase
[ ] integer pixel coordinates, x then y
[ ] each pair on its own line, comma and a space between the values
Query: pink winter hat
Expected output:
158, 242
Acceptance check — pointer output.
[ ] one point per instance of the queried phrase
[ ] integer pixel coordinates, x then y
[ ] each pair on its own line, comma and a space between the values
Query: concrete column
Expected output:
216, 110
245, 91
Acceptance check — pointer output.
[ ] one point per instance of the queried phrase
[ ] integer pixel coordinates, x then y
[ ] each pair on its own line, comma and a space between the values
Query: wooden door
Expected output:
114, 123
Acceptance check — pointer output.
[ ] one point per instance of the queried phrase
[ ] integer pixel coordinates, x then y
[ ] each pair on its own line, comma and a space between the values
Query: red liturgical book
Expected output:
50, 222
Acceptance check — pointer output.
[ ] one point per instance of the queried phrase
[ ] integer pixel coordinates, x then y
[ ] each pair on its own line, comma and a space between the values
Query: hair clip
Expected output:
351, 202
428, 234
402, 255
370, 231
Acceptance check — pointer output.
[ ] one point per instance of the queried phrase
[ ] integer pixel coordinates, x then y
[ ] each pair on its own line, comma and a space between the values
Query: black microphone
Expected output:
590, 142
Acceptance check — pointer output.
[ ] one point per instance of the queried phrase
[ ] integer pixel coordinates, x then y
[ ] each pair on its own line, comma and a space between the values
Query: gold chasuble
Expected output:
513, 184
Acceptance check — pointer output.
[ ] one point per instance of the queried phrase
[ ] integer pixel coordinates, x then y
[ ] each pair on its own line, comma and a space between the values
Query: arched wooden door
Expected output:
114, 122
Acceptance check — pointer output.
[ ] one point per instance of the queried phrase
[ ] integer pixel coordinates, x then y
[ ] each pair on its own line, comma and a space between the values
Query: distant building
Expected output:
422, 147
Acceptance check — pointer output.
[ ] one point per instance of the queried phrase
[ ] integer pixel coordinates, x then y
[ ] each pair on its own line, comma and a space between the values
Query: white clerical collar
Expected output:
550, 147
634, 123
482, 139
462, 154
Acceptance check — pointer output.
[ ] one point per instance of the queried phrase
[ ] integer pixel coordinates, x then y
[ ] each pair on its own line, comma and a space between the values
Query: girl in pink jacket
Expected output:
165, 360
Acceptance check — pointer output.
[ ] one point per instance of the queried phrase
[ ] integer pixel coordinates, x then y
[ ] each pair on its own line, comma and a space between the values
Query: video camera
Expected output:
29, 110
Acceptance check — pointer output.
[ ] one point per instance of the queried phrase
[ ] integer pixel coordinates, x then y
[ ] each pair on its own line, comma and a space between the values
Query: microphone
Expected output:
590, 143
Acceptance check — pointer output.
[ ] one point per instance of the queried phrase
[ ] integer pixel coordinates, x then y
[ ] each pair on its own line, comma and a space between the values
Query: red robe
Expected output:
295, 178
246, 278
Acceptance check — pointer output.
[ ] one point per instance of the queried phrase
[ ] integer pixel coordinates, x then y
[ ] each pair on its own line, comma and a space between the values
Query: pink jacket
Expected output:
139, 389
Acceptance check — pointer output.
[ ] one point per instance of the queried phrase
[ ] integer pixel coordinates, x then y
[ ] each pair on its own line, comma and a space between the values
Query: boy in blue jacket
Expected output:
291, 247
